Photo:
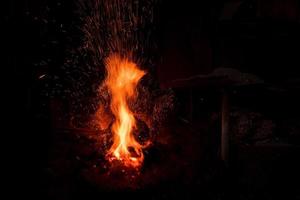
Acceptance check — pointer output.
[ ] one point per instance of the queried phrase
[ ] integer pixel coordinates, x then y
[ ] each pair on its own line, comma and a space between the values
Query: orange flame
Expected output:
122, 79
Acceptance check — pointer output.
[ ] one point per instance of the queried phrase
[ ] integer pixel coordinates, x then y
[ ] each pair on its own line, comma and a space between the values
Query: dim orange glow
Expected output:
122, 79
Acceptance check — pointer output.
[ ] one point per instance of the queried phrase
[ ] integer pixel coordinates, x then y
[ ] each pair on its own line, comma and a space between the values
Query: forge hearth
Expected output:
171, 158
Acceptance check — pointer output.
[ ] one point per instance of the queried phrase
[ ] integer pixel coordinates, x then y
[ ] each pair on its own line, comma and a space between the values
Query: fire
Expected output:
122, 78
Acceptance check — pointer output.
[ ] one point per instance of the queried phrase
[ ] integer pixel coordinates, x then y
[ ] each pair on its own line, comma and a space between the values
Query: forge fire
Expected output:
122, 78
115, 32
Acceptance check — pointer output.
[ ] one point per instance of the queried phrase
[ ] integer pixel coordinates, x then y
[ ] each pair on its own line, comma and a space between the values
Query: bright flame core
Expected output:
122, 79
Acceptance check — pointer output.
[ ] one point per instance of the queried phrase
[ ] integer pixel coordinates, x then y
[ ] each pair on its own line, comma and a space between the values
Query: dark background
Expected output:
252, 36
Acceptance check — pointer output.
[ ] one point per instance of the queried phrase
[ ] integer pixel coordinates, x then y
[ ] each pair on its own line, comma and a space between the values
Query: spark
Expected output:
42, 76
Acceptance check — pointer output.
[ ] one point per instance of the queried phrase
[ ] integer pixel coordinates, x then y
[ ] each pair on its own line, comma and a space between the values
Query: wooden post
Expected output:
225, 127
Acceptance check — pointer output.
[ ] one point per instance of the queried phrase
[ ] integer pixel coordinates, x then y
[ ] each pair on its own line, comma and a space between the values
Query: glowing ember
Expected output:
122, 79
